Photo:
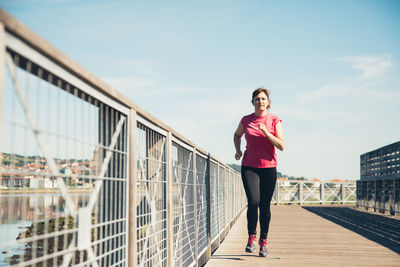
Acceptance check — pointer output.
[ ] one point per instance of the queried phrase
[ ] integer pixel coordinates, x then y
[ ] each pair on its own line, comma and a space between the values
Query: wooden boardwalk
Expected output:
316, 236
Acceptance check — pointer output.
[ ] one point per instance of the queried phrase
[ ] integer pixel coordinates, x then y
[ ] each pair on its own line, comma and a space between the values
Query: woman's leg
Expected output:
267, 187
251, 183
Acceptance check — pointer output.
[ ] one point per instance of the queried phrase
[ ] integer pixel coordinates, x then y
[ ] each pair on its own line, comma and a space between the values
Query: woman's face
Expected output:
261, 101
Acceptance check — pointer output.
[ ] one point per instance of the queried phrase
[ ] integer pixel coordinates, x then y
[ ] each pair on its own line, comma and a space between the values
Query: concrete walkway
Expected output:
316, 236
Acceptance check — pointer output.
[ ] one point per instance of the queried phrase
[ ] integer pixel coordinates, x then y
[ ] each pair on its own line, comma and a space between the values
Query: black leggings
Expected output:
259, 184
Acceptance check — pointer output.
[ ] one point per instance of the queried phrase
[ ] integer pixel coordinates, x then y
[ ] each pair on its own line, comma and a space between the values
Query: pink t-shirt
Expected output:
260, 152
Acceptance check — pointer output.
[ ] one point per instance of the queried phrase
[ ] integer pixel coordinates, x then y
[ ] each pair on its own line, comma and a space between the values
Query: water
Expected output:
18, 211
8, 237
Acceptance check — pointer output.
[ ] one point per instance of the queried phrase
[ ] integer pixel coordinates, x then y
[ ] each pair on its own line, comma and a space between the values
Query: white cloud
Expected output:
352, 114
359, 86
371, 67
333, 90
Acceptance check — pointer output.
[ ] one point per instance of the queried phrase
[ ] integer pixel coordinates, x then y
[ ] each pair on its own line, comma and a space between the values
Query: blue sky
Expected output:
332, 67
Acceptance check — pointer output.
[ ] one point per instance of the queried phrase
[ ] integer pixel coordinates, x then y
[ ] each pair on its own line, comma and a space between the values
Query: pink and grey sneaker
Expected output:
263, 247
251, 243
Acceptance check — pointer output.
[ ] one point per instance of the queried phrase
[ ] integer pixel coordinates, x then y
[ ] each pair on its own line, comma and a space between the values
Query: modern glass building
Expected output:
382, 163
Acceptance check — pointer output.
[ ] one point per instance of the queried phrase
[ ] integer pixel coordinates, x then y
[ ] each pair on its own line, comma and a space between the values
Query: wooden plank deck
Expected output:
316, 236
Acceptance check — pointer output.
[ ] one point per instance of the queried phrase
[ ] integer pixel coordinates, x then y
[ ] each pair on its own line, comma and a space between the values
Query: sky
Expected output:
333, 68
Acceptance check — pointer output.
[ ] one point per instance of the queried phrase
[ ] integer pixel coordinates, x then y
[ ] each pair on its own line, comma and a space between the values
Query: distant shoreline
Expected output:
41, 191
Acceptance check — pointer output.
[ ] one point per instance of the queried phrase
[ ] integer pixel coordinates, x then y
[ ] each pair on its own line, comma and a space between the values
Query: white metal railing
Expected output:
310, 192
66, 145
90, 178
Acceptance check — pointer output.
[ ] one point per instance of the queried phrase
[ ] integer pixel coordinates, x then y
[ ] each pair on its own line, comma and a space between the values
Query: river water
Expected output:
18, 211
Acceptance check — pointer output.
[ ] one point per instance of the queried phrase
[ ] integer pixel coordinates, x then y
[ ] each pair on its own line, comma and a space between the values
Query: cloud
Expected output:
140, 79
339, 89
358, 86
371, 67
362, 106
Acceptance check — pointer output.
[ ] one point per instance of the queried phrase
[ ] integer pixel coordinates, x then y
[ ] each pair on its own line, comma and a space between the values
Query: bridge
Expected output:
90, 178
335, 235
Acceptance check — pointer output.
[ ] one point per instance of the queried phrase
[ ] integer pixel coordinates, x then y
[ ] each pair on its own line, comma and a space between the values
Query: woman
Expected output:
263, 132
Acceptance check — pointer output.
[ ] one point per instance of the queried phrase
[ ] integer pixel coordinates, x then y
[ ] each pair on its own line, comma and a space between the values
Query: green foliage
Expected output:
236, 167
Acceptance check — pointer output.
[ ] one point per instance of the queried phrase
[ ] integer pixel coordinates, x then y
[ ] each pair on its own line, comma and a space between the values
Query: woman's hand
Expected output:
236, 140
277, 140
263, 129
238, 155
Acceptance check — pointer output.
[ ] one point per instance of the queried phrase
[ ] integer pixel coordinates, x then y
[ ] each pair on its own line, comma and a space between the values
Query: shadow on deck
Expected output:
382, 230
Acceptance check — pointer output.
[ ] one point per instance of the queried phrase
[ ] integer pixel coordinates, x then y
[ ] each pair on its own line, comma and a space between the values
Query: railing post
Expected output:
391, 193
379, 197
277, 192
375, 195
382, 201
132, 182
396, 196
359, 194
367, 202
342, 193
226, 187
196, 228
170, 219
363, 193
208, 186
301, 193
321, 192
386, 195
369, 195
2, 62
218, 205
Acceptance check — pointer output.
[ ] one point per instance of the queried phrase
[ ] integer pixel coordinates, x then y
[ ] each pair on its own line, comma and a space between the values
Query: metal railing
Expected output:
380, 195
310, 192
90, 178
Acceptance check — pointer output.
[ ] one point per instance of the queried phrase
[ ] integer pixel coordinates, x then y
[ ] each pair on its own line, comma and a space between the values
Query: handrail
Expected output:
311, 192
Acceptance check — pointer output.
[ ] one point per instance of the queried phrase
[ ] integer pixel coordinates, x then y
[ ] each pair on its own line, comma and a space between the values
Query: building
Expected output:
284, 181
383, 163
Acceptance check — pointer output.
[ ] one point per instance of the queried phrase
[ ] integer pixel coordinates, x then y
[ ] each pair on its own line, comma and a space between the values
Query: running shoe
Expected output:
251, 243
263, 248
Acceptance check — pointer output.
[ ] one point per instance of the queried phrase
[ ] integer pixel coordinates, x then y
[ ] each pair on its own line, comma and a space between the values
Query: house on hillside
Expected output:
316, 182
334, 183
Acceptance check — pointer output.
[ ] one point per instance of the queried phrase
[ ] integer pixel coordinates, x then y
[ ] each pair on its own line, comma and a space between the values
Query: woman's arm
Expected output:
278, 141
237, 140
